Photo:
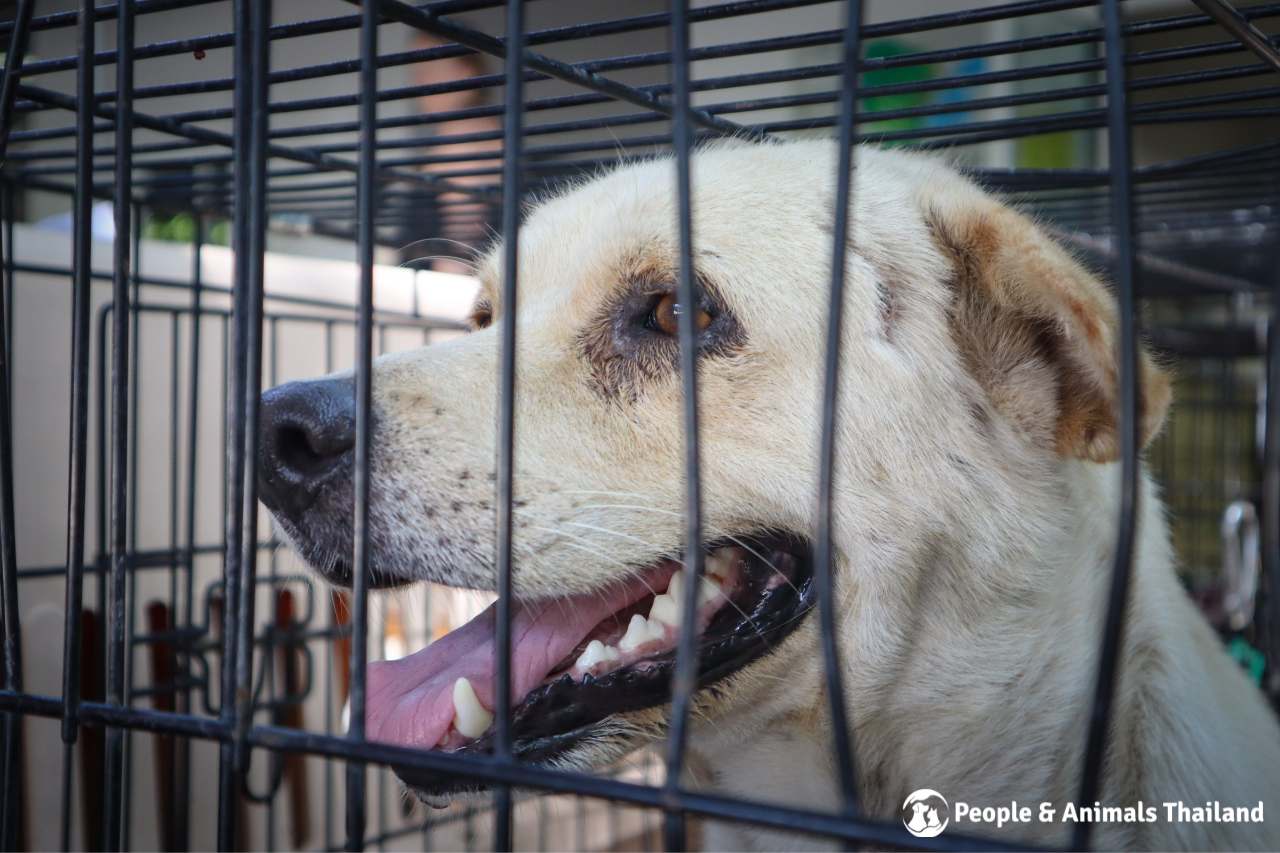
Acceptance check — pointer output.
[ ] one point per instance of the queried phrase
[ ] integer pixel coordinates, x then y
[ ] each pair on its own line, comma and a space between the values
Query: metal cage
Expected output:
1190, 238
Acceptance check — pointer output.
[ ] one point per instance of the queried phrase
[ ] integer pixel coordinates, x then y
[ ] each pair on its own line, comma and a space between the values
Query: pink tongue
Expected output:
410, 700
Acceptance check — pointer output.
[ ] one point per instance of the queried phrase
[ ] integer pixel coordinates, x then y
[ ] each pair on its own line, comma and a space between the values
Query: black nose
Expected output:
307, 432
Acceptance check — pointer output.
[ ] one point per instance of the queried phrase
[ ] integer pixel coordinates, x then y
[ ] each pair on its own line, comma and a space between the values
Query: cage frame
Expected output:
251, 145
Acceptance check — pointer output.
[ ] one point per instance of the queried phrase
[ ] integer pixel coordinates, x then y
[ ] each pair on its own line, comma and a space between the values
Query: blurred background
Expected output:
1015, 94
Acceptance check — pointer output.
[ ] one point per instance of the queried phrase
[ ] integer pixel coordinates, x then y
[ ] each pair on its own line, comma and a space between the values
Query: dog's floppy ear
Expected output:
1038, 332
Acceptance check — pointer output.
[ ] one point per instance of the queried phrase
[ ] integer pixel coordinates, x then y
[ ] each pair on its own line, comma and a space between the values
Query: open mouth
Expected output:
579, 659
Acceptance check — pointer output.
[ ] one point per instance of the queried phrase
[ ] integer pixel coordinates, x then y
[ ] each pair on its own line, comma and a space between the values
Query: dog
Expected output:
975, 506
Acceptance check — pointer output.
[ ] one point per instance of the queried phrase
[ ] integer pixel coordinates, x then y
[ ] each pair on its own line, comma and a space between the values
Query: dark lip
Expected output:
558, 716
339, 573
330, 564
320, 529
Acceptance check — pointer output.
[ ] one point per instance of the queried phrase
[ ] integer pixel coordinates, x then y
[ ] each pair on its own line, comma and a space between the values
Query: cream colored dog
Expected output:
976, 506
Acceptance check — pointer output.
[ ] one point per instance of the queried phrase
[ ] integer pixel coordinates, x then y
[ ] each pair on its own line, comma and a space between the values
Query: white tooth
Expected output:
469, 716
666, 609
709, 591
596, 652
719, 563
590, 655
639, 632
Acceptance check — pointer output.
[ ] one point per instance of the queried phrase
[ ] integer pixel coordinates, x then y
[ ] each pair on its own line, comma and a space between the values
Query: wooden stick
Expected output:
162, 699
291, 715
342, 643
93, 745
217, 623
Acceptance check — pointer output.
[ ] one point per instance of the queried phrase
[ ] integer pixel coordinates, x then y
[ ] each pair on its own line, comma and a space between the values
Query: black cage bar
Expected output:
1055, 104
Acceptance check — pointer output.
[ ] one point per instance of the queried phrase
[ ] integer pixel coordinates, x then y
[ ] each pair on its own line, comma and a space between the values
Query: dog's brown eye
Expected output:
665, 316
481, 316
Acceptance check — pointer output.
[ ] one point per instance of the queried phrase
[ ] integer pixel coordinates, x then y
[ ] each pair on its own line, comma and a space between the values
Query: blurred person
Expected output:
459, 218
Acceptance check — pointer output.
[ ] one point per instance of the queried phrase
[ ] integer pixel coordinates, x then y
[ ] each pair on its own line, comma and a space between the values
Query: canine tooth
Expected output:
668, 607
469, 717
596, 652
639, 632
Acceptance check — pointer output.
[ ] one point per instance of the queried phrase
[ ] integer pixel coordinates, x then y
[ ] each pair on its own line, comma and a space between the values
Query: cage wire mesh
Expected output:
142, 141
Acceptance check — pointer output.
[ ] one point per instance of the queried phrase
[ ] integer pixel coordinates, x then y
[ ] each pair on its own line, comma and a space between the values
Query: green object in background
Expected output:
892, 76
1247, 656
1049, 151
181, 228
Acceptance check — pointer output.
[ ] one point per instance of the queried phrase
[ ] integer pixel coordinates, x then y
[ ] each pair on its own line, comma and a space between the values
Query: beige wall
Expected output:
41, 395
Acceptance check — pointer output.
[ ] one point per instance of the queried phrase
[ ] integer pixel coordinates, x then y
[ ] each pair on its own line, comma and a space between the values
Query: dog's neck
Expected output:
956, 712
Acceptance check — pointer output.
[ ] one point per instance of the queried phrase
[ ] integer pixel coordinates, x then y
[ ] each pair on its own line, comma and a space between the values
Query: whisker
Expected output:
628, 566
632, 506
746, 616
602, 556
753, 552
468, 264
728, 536
603, 492
617, 533
467, 247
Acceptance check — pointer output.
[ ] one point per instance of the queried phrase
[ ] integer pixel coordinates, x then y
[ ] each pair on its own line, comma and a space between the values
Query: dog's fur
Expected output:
976, 493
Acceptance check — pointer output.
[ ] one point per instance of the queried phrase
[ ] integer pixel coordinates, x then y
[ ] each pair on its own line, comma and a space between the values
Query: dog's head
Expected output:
977, 360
